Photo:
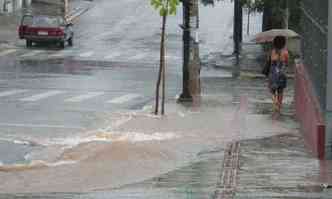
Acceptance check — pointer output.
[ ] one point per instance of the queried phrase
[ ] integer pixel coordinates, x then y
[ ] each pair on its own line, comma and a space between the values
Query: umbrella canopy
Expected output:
268, 36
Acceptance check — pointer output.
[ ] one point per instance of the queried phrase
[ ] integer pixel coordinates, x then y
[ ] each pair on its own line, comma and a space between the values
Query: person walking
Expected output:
278, 61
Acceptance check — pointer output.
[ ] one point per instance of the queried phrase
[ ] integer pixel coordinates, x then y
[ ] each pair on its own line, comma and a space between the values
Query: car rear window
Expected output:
47, 22
27, 20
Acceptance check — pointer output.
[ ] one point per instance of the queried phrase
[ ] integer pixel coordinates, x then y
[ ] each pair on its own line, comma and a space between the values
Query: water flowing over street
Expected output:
78, 123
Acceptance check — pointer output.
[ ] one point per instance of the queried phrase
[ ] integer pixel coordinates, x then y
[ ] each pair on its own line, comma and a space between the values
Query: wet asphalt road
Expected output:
51, 93
48, 93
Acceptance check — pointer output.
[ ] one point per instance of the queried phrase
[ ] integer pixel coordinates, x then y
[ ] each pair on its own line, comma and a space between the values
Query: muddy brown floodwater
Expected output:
143, 146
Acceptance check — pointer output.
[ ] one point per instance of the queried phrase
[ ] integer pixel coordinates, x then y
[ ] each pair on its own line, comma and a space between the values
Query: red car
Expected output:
46, 29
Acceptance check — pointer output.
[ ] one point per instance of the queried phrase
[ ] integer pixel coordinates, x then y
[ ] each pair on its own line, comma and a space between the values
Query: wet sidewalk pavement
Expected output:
254, 156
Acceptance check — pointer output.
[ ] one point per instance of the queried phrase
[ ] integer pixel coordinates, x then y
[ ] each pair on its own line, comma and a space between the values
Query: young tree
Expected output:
165, 8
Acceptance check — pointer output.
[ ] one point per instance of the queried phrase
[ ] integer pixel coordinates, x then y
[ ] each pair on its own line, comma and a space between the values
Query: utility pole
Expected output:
237, 35
240, 23
248, 22
186, 95
64, 8
236, 29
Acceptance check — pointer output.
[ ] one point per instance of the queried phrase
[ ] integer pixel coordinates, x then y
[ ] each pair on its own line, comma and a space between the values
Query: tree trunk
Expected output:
267, 14
240, 23
287, 18
162, 56
4, 6
248, 24
163, 66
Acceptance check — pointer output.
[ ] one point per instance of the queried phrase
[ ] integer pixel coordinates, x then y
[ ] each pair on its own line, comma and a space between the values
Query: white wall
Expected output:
11, 5
17, 4
1, 5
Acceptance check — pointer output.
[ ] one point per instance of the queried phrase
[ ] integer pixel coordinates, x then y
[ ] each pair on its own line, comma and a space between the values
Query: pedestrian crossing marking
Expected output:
87, 54
41, 96
61, 53
124, 98
133, 55
12, 92
27, 125
173, 57
31, 54
76, 99
105, 34
113, 55
7, 52
139, 56
87, 96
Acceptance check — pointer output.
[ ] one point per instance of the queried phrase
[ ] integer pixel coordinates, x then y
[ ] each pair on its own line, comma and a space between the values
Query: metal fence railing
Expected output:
314, 31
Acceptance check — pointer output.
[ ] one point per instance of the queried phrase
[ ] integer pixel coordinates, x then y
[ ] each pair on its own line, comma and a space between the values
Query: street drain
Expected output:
226, 185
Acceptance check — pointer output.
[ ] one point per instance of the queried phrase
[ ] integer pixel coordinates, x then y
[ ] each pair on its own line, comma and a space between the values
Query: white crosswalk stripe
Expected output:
31, 54
75, 99
113, 55
61, 53
41, 96
12, 92
124, 98
7, 52
105, 34
172, 57
139, 56
87, 96
87, 54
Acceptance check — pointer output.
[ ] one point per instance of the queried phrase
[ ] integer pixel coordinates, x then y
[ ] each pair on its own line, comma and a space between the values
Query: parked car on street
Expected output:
46, 29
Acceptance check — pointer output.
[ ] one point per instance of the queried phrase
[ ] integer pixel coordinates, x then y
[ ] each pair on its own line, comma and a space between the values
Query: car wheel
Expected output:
70, 41
62, 44
28, 43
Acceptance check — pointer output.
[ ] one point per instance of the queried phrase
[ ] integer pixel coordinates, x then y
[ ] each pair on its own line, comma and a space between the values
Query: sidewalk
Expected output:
8, 30
252, 57
238, 150
227, 147
252, 155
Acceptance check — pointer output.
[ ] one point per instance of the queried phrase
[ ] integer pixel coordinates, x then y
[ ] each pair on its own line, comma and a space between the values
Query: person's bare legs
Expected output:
280, 97
274, 102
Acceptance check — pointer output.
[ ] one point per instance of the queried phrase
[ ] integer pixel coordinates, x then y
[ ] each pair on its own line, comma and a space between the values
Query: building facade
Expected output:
9, 6
329, 84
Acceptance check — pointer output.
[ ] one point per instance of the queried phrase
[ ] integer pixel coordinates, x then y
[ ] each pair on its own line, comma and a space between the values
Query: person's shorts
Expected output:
274, 89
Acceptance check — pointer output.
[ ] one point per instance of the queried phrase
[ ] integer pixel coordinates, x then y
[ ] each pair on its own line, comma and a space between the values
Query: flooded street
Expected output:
56, 99
141, 146
78, 122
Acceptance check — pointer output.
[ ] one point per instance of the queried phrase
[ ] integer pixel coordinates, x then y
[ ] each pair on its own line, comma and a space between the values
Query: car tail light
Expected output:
31, 31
